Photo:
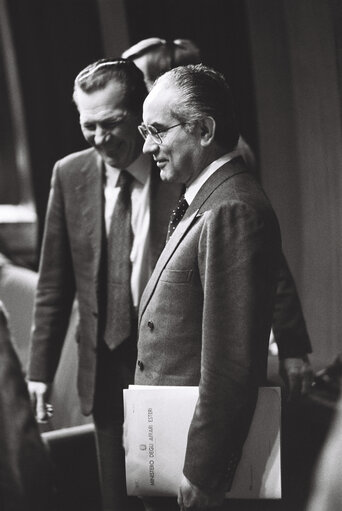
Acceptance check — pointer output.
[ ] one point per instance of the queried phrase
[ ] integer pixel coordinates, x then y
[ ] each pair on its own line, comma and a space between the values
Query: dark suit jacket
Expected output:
70, 262
288, 324
206, 313
25, 468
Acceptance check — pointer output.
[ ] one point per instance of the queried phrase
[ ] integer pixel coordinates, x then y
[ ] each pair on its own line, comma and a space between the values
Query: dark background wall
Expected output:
53, 40
8, 176
296, 55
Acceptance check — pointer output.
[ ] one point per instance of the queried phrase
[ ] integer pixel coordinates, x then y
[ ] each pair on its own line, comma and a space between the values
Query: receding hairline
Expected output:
111, 83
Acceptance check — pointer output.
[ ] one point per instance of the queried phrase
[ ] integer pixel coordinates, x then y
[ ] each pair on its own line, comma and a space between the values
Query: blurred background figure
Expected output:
155, 56
25, 467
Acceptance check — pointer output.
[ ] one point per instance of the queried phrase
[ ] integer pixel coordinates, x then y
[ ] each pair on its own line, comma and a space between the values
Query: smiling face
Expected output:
108, 126
181, 155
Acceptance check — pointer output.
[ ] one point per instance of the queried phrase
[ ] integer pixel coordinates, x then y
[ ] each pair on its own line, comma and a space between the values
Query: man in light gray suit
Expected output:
206, 312
79, 252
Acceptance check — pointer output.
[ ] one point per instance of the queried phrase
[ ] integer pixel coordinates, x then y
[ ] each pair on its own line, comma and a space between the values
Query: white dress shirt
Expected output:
197, 183
140, 169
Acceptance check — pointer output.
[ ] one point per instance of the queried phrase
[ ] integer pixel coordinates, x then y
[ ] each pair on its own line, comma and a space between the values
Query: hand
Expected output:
190, 497
39, 392
297, 374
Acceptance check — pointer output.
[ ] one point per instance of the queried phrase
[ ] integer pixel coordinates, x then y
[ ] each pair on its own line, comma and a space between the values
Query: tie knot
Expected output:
177, 215
182, 206
125, 179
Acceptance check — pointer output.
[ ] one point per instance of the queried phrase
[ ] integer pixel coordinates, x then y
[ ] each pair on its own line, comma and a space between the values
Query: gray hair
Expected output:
204, 92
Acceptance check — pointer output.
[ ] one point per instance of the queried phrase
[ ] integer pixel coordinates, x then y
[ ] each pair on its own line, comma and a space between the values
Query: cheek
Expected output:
88, 136
184, 159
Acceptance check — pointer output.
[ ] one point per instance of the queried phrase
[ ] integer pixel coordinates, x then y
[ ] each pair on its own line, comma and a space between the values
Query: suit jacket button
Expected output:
140, 365
150, 325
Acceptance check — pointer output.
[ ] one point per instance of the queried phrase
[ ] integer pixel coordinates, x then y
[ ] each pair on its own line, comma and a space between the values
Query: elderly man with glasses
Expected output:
154, 56
206, 313
106, 225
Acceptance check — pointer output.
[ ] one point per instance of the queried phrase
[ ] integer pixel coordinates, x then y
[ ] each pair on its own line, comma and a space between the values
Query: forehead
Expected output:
102, 103
158, 104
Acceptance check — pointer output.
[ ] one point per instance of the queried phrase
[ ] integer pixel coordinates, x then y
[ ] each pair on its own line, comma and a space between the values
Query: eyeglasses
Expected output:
146, 129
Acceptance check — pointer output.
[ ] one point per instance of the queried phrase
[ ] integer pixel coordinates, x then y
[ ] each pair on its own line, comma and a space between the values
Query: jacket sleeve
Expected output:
288, 324
55, 290
239, 252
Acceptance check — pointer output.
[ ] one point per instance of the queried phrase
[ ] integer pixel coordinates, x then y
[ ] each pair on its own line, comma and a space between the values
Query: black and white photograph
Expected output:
170, 255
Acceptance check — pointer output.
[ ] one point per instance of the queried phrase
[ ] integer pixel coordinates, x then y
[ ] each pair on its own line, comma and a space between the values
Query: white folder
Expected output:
157, 420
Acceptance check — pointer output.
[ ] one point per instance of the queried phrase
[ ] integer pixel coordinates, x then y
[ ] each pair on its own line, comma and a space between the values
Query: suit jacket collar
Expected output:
90, 196
228, 170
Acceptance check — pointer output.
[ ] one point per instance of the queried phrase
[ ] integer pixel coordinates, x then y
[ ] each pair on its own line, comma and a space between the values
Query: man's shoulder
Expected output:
231, 182
72, 169
242, 184
78, 158
235, 192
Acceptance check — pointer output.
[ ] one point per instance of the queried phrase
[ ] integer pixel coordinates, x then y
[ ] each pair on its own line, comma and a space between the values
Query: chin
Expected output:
111, 162
164, 176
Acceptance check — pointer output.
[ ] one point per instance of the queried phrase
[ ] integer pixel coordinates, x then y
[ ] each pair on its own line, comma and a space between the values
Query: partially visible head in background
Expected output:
109, 95
155, 56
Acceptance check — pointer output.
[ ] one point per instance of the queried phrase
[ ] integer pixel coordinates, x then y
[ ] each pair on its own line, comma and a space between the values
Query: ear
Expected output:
208, 128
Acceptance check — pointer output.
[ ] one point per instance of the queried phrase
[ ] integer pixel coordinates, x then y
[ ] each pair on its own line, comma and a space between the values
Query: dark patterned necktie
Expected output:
176, 216
119, 298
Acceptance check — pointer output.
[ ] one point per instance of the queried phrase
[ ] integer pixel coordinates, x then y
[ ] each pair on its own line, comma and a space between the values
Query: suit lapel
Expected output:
169, 249
230, 169
90, 196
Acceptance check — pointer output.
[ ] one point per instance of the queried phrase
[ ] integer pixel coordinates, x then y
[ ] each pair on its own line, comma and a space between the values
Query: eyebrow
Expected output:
156, 125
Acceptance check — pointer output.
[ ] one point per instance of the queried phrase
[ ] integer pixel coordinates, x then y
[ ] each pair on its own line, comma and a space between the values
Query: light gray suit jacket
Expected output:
71, 264
206, 313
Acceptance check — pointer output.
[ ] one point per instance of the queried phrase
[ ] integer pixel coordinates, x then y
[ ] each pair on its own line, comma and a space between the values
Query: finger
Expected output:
41, 414
180, 500
49, 410
307, 382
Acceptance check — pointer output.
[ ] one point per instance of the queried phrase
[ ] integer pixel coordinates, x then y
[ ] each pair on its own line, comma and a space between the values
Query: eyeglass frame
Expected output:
145, 131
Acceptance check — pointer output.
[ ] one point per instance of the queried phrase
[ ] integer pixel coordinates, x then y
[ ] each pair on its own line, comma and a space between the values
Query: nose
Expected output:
150, 146
101, 135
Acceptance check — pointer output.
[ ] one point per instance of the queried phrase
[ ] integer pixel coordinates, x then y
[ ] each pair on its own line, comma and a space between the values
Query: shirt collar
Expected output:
139, 169
194, 187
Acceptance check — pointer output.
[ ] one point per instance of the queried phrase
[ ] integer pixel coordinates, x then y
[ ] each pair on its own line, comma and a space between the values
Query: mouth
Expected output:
160, 163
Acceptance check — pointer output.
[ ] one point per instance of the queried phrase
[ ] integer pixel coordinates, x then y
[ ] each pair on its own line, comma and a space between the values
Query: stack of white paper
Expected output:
157, 421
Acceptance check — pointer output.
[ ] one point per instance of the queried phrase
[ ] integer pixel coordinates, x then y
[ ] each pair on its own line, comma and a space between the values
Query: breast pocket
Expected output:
176, 276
